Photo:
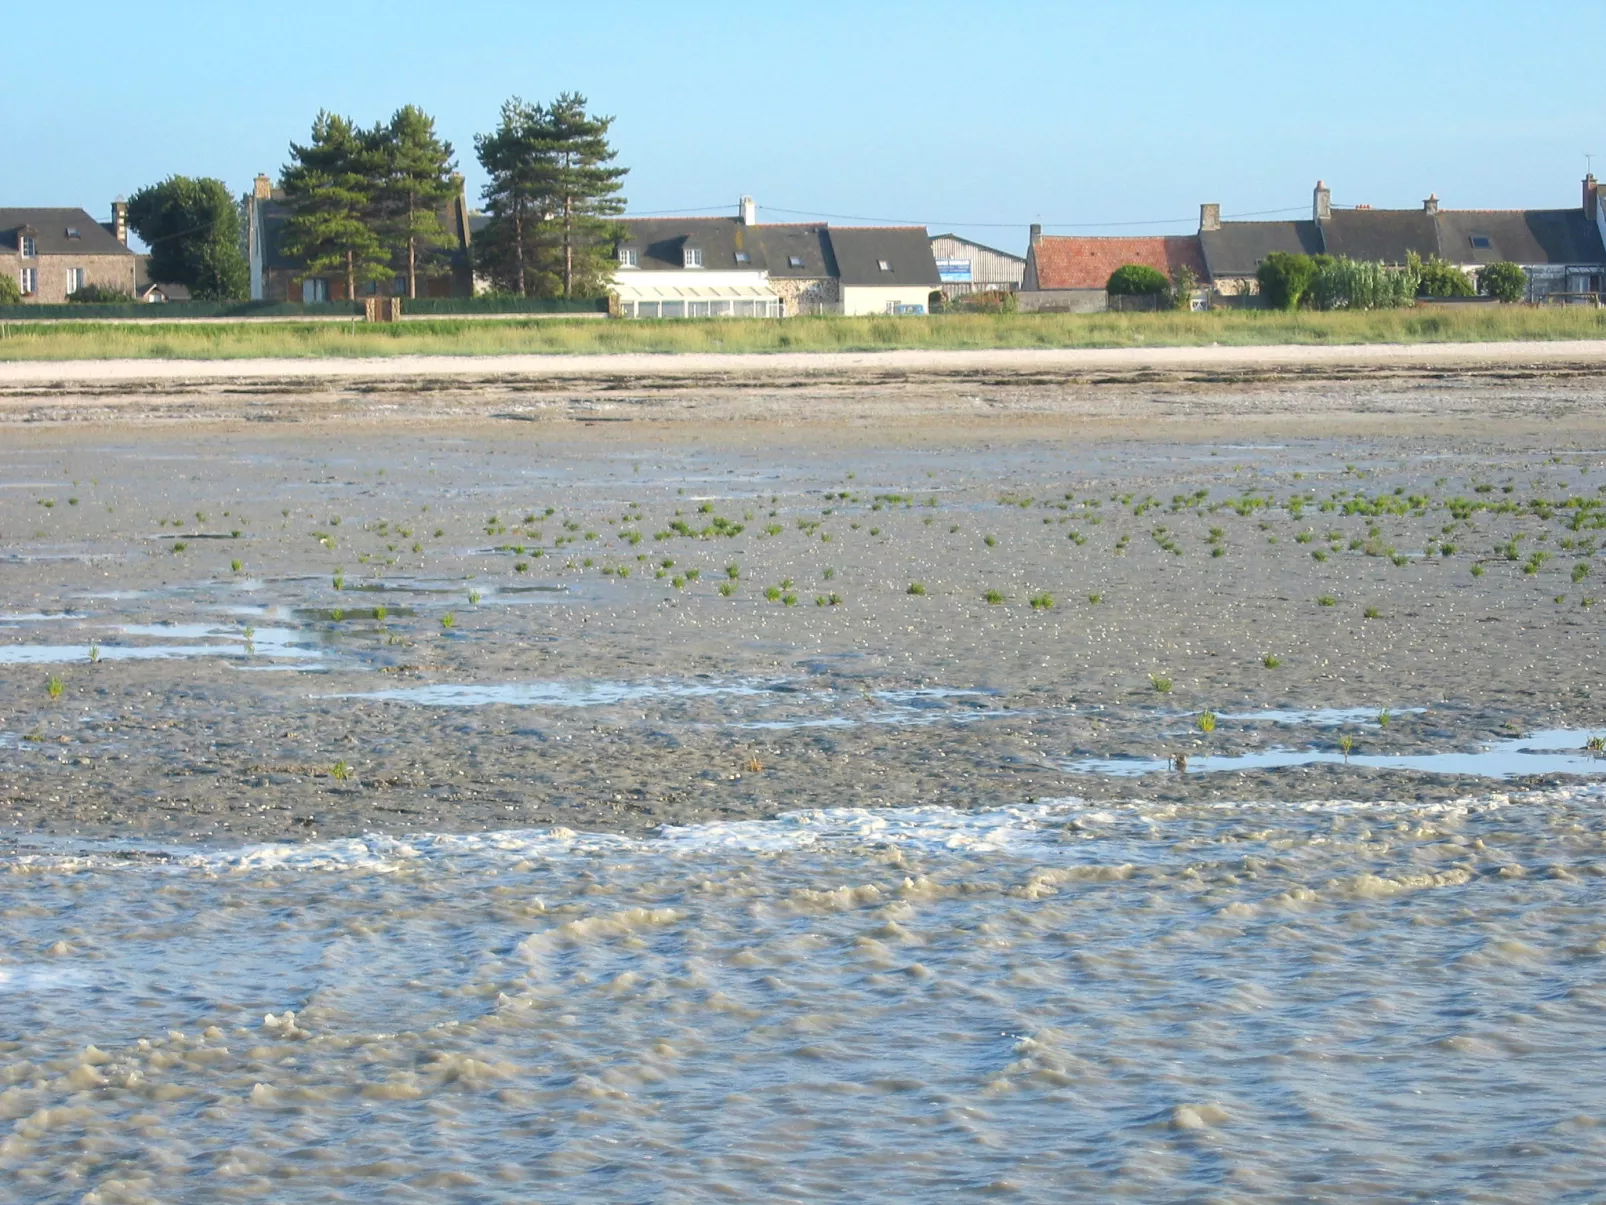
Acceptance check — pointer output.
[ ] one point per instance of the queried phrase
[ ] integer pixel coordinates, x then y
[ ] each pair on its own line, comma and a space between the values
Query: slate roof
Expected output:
49, 229
851, 253
1076, 262
1238, 247
906, 250
1382, 235
1522, 236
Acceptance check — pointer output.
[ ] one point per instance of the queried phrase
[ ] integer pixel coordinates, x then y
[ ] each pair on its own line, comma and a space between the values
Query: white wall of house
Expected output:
874, 299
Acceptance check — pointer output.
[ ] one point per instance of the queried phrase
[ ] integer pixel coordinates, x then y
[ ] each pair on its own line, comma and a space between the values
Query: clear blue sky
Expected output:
958, 115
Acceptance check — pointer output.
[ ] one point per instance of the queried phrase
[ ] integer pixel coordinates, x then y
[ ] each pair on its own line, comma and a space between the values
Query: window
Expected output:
693, 257
627, 257
75, 280
30, 281
743, 257
1481, 241
885, 266
315, 289
794, 261
72, 232
28, 246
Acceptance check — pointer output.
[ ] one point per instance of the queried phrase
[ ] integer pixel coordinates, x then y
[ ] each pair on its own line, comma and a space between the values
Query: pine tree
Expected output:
331, 187
584, 194
414, 183
551, 197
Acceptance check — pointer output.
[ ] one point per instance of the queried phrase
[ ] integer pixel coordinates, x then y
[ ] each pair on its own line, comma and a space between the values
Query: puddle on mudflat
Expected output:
1319, 717
1555, 751
551, 694
273, 643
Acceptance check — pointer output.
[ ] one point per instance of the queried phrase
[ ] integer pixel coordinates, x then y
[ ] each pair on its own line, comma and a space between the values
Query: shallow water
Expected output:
1541, 753
1146, 1002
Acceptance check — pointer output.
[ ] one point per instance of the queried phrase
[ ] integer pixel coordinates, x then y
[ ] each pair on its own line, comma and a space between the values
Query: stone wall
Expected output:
807, 296
1062, 301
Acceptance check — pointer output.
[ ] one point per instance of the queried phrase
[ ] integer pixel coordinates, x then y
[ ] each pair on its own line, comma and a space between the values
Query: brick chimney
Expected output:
1431, 205
1209, 217
263, 190
120, 220
1591, 194
1321, 205
749, 210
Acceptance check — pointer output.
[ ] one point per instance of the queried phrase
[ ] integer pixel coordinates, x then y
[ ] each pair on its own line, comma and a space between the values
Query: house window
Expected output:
885, 266
743, 257
1480, 241
315, 289
29, 247
30, 281
75, 280
693, 257
627, 257
72, 232
794, 261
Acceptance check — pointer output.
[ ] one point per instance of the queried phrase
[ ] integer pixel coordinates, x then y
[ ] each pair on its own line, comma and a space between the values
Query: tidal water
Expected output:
1045, 1002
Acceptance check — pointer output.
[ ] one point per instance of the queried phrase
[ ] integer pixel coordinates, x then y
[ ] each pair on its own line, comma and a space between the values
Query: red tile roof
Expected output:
1068, 262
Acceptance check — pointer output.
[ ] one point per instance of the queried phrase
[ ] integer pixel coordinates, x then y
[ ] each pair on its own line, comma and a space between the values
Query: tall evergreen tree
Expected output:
414, 183
552, 195
193, 230
331, 187
585, 194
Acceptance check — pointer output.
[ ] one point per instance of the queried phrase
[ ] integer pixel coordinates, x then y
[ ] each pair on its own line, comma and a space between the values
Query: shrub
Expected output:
1183, 284
10, 290
1347, 284
1137, 280
99, 295
1439, 279
1284, 278
1503, 281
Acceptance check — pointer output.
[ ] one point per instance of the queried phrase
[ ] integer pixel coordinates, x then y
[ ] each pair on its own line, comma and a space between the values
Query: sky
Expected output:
1093, 118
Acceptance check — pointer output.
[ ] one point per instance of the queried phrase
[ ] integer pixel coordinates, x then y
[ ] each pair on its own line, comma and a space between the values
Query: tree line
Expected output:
371, 205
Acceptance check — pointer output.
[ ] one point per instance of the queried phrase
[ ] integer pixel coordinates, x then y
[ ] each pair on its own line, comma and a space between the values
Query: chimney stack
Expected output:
1431, 205
1591, 193
120, 220
1036, 233
264, 188
1209, 217
749, 212
1321, 207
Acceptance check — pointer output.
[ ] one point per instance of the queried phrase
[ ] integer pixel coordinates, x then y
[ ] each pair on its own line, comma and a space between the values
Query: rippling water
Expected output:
1045, 1003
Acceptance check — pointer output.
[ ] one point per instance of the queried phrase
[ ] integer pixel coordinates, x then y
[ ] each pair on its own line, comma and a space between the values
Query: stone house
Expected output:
697, 267
277, 276
1561, 250
52, 253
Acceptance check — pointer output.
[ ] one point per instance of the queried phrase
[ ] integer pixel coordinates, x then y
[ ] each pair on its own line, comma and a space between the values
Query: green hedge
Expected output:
171, 311
503, 305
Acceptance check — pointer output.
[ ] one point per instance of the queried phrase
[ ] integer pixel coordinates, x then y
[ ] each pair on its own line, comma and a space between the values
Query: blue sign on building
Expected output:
956, 271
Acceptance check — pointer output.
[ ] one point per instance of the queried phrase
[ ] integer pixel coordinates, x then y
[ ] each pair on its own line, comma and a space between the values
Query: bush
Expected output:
1137, 280
992, 301
1439, 279
1183, 284
1503, 281
99, 295
10, 290
1284, 279
1347, 284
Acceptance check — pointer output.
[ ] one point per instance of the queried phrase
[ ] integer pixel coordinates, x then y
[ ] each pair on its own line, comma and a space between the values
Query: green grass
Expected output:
222, 341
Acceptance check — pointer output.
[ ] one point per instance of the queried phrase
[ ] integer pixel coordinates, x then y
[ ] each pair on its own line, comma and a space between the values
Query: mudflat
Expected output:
275, 610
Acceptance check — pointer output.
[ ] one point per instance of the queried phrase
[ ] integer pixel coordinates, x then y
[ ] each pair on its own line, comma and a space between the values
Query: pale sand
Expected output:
1590, 353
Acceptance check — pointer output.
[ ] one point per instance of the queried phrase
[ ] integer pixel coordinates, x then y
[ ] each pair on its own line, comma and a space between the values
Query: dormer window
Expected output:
743, 257
794, 261
627, 257
72, 232
1480, 241
28, 247
885, 266
692, 257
